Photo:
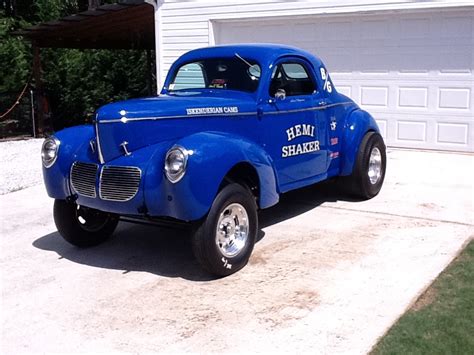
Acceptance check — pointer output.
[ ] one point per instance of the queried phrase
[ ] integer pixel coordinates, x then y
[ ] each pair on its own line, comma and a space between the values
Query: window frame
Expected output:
307, 68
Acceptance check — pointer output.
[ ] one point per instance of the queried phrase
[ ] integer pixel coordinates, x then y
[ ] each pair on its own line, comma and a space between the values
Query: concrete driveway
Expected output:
328, 275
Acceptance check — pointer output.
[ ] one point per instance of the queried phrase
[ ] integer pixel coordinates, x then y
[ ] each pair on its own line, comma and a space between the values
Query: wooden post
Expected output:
149, 71
39, 91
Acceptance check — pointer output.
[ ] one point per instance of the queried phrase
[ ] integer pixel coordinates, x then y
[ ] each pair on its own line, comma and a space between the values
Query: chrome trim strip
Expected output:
126, 120
312, 108
100, 181
117, 166
99, 148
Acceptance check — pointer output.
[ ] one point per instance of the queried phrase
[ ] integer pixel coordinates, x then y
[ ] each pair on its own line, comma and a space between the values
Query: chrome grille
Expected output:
119, 183
83, 177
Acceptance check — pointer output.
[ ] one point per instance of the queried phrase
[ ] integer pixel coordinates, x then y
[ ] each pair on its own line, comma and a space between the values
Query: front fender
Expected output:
211, 156
71, 145
357, 124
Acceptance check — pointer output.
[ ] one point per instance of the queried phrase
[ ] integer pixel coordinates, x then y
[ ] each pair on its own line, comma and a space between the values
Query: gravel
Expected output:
20, 163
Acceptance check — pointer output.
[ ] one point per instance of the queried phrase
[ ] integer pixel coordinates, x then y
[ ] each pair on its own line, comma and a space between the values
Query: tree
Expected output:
76, 82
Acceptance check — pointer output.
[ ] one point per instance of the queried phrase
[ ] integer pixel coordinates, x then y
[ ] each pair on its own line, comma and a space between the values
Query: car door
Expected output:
294, 123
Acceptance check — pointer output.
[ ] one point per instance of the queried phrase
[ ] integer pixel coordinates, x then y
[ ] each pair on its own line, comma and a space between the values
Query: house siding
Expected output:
182, 25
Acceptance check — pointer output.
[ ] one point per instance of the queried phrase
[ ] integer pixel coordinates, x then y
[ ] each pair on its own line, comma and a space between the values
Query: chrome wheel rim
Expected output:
375, 166
232, 230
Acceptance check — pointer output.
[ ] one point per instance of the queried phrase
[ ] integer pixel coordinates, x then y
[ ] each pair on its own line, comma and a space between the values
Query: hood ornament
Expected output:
124, 147
92, 144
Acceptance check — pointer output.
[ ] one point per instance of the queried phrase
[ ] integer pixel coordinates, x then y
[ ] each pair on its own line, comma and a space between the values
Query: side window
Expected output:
189, 76
293, 78
295, 71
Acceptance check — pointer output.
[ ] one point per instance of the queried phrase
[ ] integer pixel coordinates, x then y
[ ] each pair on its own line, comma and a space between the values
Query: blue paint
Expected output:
290, 143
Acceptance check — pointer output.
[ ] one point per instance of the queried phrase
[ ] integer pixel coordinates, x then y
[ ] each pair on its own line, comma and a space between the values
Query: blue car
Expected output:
233, 128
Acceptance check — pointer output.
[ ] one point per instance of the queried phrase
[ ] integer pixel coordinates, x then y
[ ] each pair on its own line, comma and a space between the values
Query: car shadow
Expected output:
167, 251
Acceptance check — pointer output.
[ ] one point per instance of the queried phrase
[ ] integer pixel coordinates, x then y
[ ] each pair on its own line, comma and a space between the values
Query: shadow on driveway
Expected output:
167, 251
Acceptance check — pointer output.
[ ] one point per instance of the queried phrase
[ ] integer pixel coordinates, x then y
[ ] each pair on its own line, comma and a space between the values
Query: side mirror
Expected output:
254, 72
280, 94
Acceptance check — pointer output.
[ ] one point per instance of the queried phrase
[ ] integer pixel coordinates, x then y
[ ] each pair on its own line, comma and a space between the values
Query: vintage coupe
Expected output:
233, 128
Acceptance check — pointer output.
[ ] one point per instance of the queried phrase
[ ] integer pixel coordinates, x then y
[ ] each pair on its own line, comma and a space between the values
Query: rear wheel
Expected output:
369, 170
82, 226
224, 240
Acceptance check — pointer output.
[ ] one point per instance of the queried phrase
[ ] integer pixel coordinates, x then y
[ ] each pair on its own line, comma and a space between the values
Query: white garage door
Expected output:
413, 71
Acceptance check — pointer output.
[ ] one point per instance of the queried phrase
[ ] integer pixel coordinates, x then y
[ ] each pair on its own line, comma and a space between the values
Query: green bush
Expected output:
76, 82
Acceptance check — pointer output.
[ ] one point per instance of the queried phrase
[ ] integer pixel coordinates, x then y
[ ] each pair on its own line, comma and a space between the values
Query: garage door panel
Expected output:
454, 98
327, 30
376, 29
411, 131
456, 27
338, 60
375, 60
412, 71
414, 28
452, 133
416, 60
411, 97
374, 96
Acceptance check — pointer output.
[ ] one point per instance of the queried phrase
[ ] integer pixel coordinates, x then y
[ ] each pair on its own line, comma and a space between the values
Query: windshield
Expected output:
234, 73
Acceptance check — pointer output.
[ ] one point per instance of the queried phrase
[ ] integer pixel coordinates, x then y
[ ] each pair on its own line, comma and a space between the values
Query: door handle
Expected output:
322, 103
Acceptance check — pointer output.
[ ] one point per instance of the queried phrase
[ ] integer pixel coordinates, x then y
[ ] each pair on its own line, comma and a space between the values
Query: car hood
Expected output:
179, 104
126, 126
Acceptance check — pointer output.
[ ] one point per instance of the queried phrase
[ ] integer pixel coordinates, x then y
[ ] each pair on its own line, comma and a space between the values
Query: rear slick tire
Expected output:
369, 169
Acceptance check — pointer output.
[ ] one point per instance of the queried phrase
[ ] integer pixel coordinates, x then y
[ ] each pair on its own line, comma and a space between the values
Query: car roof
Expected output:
264, 53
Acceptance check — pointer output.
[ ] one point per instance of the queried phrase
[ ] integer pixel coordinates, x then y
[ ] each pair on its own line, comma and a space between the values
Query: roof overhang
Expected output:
128, 24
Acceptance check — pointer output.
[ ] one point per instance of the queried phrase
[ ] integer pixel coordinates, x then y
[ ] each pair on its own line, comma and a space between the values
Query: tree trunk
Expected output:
39, 91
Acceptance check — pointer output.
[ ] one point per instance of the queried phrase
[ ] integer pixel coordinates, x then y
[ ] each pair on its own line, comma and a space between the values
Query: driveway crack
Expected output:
400, 215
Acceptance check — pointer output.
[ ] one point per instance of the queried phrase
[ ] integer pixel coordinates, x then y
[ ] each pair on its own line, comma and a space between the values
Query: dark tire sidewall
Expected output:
68, 226
370, 141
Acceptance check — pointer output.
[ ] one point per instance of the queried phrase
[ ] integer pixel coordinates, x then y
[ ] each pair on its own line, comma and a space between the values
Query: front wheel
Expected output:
369, 169
224, 240
83, 226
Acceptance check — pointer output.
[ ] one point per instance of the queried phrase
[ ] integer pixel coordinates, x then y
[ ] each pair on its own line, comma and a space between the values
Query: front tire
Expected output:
369, 169
81, 226
224, 240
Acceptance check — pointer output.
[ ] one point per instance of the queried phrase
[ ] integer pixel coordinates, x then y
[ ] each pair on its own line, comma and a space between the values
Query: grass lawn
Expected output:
442, 320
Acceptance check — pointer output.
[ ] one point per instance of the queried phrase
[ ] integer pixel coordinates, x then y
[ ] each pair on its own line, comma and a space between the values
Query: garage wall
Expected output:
183, 25
412, 69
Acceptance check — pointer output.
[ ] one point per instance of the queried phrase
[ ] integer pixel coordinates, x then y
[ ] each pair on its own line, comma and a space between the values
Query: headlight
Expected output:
175, 163
49, 151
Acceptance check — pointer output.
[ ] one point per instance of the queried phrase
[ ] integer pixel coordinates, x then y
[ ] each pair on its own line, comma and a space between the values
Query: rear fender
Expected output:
357, 124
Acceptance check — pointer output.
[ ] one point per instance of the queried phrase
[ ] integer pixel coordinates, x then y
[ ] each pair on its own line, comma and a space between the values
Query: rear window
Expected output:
189, 76
235, 73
